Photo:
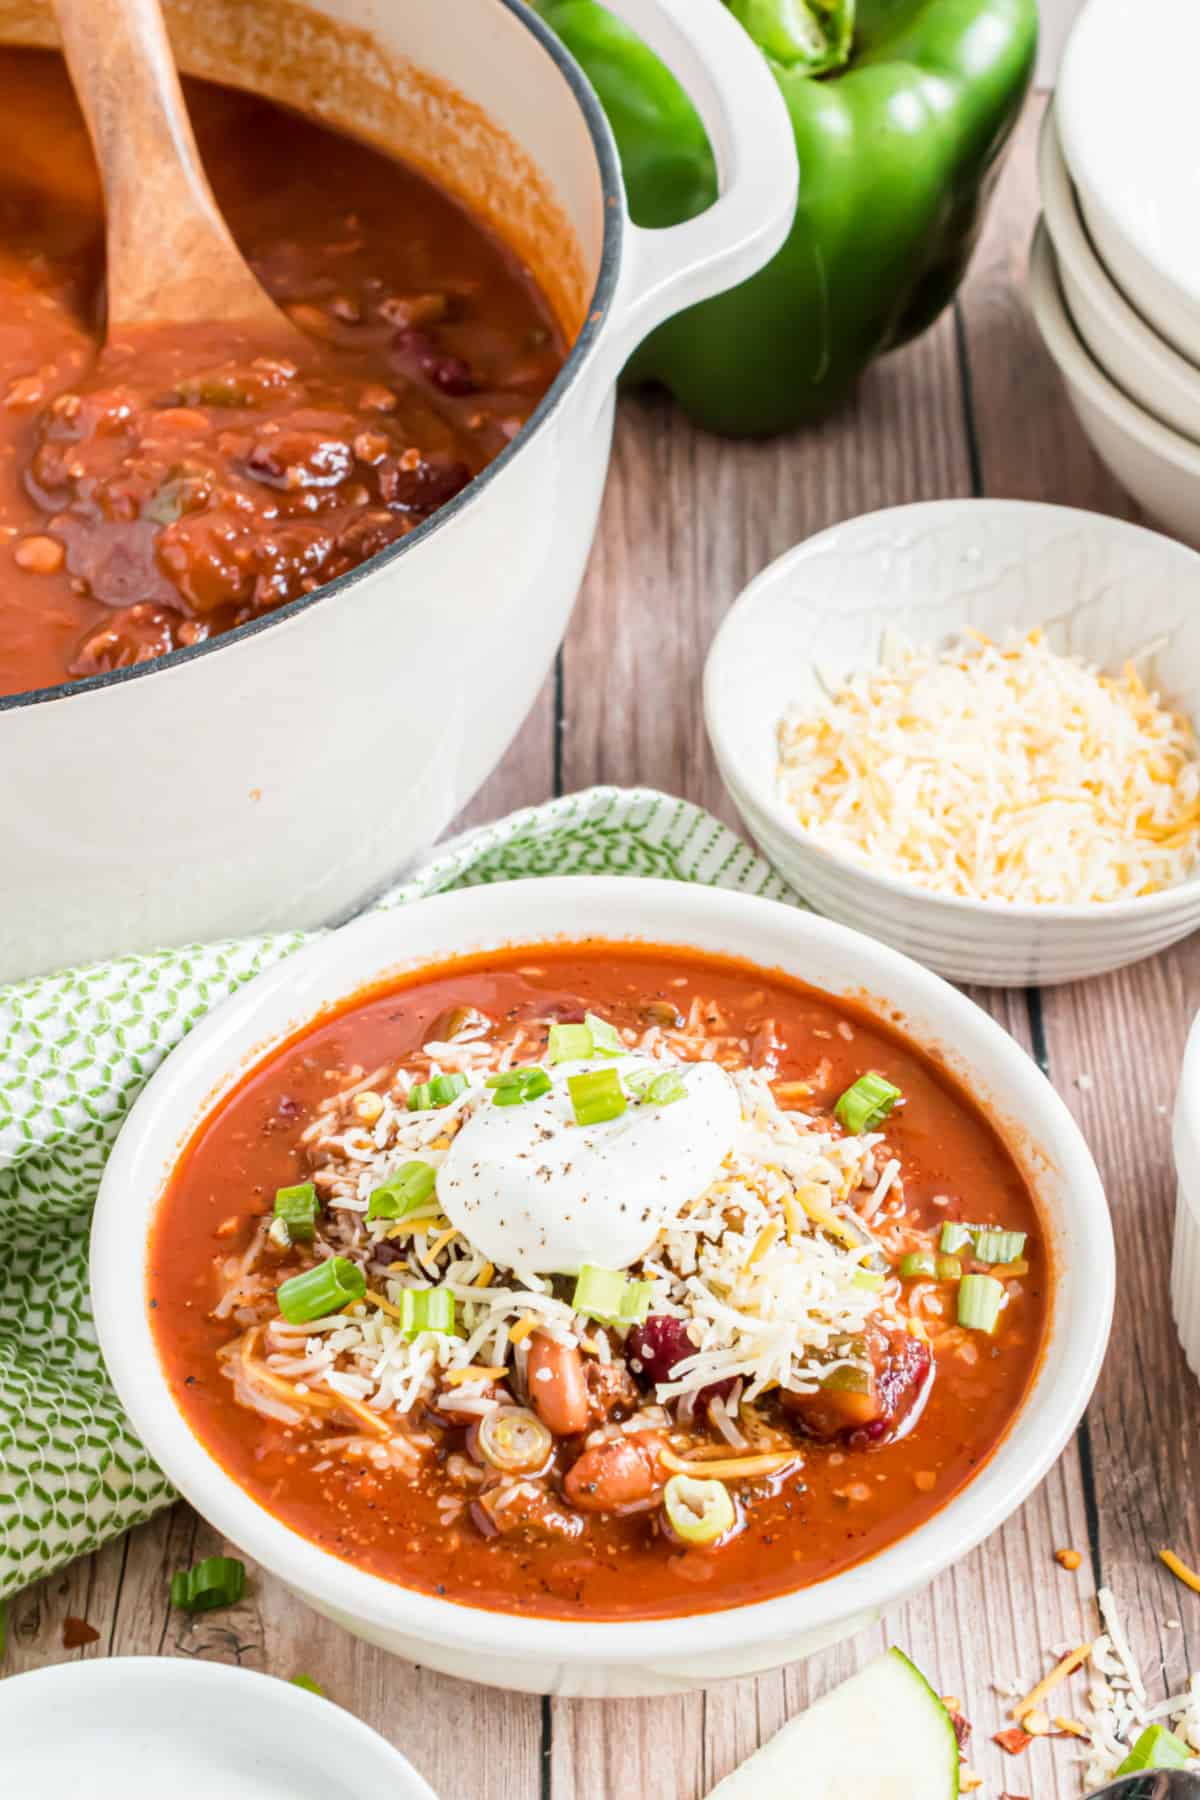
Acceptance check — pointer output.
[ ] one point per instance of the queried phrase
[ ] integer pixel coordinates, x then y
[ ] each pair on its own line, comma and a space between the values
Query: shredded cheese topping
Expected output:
999, 772
766, 1265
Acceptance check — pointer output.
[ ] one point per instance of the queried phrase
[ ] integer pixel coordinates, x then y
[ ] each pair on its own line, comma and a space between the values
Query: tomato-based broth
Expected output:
599, 1281
192, 478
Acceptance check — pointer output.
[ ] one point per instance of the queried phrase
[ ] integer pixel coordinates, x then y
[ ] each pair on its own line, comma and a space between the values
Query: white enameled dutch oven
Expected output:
276, 776
631, 1657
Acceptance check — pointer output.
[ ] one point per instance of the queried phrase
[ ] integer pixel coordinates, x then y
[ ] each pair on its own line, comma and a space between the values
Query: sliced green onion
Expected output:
649, 1089
514, 1440
596, 1096
699, 1512
308, 1684
217, 1581
426, 1309
869, 1279
323, 1289
440, 1090
980, 1298
569, 1043
297, 1207
606, 1039
867, 1103
664, 1090
610, 1296
405, 1189
598, 1292
847, 1378
636, 1304
918, 1265
513, 1087
1157, 1748
949, 1268
998, 1246
955, 1236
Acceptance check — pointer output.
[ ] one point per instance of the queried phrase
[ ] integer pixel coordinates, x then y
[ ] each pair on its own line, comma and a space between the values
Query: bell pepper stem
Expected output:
811, 35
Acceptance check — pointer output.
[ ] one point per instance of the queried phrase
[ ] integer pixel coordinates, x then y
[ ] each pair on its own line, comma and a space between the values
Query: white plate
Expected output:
145, 1727
1130, 132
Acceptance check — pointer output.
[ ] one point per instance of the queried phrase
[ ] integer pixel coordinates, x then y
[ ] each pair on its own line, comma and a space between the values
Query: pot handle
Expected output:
731, 85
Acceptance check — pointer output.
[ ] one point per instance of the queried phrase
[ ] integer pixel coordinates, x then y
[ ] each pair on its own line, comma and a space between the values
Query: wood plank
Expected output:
426, 1715
1118, 1042
689, 519
675, 547
1141, 1473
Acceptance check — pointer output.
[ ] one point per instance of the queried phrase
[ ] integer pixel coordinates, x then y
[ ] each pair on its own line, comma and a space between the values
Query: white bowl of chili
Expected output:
656, 1621
274, 773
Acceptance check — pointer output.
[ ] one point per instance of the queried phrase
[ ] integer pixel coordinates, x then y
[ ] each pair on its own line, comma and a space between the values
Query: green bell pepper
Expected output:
900, 108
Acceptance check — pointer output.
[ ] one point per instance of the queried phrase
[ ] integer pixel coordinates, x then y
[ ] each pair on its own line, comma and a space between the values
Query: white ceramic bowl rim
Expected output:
1073, 246
653, 911
738, 620
595, 320
262, 1705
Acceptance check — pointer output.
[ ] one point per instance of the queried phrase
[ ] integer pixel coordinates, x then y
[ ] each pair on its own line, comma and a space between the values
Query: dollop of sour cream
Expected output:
541, 1194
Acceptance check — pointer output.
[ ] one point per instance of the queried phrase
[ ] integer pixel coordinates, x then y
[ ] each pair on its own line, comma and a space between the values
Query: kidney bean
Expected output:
653, 1348
448, 373
657, 1346
422, 487
557, 1386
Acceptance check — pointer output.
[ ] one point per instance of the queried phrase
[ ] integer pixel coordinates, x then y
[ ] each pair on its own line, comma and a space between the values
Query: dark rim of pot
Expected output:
613, 200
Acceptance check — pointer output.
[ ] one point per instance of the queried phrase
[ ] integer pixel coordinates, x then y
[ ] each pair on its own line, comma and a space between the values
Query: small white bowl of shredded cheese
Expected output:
967, 727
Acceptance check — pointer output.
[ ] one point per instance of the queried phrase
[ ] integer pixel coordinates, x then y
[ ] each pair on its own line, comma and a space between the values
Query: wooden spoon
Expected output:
171, 258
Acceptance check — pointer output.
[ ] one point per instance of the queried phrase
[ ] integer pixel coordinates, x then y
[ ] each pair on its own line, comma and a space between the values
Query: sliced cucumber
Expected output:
884, 1733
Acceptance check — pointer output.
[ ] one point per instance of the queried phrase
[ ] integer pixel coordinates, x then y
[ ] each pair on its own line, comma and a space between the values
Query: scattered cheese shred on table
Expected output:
1049, 1682
999, 772
1180, 1570
1116, 1709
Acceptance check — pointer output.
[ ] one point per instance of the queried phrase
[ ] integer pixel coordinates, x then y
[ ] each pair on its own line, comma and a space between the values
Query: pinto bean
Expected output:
615, 1474
557, 1387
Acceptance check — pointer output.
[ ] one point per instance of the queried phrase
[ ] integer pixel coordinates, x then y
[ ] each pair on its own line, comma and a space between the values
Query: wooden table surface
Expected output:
974, 408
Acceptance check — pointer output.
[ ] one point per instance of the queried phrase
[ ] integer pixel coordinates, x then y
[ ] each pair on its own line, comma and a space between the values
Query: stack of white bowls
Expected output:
1115, 267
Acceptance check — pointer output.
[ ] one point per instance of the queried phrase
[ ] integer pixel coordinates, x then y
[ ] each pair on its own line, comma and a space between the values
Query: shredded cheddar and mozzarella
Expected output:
770, 1296
999, 772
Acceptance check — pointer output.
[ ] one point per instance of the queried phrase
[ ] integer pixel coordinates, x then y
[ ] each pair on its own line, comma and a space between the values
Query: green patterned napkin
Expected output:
75, 1050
